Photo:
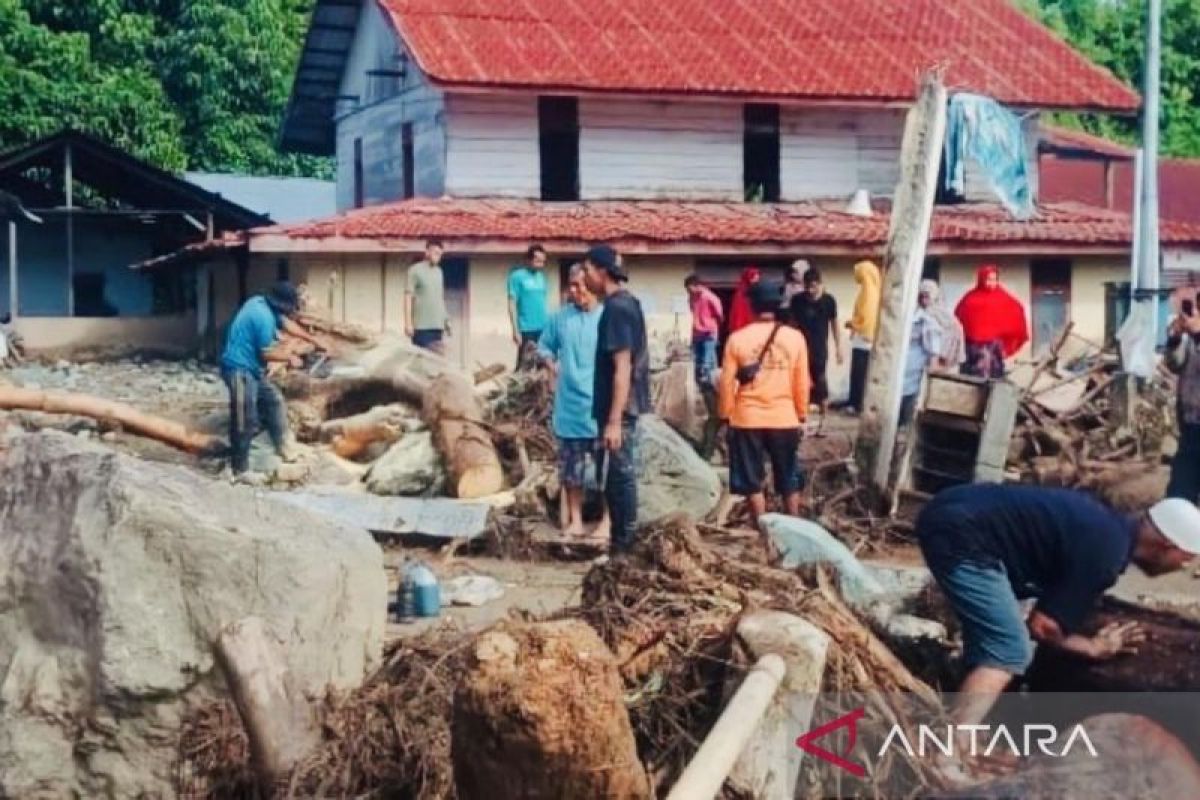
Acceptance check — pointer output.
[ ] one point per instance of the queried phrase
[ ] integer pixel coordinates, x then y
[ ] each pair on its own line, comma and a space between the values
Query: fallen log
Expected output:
350, 437
455, 417
175, 434
278, 720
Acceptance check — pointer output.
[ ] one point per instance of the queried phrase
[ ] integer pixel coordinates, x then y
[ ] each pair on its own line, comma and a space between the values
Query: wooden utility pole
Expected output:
912, 213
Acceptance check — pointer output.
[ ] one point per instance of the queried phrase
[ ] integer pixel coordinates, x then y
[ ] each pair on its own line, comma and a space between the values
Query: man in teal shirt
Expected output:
569, 341
527, 302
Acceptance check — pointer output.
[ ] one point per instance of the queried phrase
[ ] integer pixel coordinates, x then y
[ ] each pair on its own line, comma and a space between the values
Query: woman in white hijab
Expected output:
952, 352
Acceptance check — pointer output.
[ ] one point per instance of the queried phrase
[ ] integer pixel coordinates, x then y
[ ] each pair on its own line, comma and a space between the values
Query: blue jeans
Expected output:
704, 360
993, 627
620, 488
430, 339
253, 400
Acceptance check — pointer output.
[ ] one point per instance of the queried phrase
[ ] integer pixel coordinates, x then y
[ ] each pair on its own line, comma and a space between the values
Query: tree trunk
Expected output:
278, 720
453, 414
129, 418
352, 436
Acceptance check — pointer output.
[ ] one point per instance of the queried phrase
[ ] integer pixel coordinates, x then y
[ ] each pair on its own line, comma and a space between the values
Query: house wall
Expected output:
43, 280
174, 334
660, 149
492, 146
827, 153
384, 105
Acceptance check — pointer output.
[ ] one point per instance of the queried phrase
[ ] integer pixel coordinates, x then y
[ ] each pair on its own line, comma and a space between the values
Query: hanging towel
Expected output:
981, 129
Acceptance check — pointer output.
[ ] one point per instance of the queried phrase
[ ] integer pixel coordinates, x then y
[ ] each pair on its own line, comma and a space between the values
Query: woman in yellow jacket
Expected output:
862, 326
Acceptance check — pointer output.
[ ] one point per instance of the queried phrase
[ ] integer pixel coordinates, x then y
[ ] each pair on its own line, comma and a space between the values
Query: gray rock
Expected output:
263, 457
803, 542
410, 468
672, 478
908, 627
117, 574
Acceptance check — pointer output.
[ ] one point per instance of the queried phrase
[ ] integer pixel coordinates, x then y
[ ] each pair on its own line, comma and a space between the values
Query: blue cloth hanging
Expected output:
981, 129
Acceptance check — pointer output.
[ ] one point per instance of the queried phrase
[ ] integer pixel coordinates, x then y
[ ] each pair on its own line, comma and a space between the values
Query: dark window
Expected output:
408, 158
760, 150
89, 295
359, 197
283, 270
932, 270
558, 136
1050, 285
945, 196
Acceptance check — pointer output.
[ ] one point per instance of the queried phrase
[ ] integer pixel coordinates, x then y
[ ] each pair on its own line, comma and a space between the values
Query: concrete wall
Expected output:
173, 334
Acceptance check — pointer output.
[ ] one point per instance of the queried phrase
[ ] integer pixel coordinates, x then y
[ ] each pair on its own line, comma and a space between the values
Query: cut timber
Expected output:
912, 214
453, 413
279, 721
129, 418
540, 712
351, 436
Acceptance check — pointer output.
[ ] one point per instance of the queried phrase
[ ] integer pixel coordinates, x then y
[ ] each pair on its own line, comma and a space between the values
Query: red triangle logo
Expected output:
850, 721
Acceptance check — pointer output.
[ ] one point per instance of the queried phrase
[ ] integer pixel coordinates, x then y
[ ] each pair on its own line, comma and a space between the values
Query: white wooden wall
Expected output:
380, 116
659, 149
492, 146
829, 153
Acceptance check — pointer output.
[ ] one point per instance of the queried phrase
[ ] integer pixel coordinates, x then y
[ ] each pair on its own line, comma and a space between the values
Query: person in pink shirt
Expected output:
707, 316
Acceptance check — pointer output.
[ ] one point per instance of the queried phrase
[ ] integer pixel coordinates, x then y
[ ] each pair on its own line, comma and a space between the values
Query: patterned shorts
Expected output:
577, 460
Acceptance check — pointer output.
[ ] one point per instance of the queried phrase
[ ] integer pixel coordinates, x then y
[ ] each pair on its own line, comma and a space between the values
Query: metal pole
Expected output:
69, 193
13, 299
1148, 244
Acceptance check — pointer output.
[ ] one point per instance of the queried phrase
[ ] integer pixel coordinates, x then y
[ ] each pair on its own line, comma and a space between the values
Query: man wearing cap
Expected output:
990, 546
250, 345
621, 388
764, 388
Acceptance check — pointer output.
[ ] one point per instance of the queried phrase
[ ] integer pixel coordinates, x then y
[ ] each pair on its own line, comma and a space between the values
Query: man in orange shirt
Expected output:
764, 396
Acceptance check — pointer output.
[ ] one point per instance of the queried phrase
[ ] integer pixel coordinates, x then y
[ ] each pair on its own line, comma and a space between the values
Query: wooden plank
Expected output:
960, 398
904, 260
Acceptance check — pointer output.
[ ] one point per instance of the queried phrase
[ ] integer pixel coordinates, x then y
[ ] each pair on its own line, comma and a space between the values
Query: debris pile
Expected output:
668, 614
1084, 424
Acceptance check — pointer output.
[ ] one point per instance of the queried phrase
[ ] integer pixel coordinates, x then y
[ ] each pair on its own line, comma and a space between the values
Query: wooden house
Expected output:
695, 135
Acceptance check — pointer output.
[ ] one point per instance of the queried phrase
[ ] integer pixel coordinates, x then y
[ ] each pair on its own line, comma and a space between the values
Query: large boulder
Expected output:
672, 478
116, 576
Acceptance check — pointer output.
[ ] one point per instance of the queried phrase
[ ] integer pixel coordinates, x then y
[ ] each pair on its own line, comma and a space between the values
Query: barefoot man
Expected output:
569, 343
989, 546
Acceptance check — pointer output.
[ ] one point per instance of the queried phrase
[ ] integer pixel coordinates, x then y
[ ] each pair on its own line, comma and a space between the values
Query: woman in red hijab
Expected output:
994, 325
740, 313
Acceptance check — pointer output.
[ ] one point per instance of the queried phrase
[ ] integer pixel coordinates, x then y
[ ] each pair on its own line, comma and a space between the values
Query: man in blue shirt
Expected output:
249, 346
990, 545
527, 310
569, 341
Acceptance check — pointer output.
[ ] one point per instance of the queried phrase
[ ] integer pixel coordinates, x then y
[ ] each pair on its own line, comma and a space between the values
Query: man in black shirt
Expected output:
990, 545
815, 313
622, 388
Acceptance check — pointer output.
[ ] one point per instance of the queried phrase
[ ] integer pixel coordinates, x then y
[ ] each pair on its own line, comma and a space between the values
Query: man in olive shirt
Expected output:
425, 318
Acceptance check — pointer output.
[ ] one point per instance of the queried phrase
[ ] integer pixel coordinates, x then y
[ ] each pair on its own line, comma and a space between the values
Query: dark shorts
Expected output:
749, 449
993, 624
577, 461
429, 339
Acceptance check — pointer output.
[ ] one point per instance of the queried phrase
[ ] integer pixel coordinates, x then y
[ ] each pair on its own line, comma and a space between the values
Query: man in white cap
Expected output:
990, 545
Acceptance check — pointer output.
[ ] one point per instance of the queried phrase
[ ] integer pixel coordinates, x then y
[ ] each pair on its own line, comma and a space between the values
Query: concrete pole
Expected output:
912, 215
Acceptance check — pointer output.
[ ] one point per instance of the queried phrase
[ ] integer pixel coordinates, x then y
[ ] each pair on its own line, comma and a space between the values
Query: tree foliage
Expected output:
185, 84
1113, 33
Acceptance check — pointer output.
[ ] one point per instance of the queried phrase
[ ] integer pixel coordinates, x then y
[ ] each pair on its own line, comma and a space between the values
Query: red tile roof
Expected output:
869, 50
1068, 140
650, 224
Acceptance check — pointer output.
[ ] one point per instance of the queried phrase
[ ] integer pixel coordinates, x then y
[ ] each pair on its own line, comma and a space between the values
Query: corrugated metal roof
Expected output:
284, 200
308, 122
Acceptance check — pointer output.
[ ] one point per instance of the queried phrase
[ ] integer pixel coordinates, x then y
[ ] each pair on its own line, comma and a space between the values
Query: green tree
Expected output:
197, 84
1112, 33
